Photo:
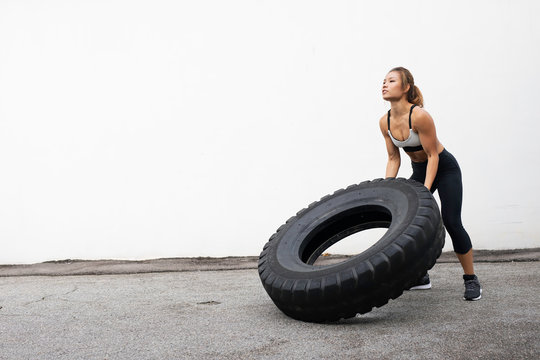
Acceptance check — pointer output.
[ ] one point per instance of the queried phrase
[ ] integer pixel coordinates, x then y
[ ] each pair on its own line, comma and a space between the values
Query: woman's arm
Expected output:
394, 159
425, 127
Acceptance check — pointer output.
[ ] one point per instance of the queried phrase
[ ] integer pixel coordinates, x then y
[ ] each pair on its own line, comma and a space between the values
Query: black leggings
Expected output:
448, 183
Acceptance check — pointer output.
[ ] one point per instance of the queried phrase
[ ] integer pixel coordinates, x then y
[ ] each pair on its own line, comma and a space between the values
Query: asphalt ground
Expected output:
226, 314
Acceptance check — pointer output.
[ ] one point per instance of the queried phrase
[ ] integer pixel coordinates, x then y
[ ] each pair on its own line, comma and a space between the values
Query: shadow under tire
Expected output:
411, 245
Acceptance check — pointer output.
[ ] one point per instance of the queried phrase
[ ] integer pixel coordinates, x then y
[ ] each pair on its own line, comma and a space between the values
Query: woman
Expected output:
407, 125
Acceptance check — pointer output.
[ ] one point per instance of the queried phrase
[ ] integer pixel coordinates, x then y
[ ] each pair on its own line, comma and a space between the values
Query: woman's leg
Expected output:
451, 193
450, 190
467, 262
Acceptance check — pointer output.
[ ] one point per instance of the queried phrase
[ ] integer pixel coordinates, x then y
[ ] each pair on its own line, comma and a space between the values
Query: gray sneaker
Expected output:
423, 284
473, 290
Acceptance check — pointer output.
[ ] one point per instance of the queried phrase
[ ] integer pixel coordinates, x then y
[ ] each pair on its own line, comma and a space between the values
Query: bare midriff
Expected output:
421, 156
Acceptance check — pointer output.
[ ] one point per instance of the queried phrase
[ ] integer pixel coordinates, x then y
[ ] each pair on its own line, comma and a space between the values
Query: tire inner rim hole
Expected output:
341, 226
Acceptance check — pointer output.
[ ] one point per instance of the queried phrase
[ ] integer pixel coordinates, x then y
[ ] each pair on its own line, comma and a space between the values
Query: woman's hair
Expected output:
414, 96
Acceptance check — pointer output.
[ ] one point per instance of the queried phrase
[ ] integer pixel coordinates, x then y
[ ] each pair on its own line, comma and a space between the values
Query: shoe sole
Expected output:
474, 299
421, 287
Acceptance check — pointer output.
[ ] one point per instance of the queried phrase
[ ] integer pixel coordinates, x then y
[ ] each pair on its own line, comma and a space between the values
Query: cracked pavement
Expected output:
228, 315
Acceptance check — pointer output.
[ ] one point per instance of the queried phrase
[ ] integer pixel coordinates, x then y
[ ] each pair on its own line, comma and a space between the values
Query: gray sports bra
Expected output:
412, 143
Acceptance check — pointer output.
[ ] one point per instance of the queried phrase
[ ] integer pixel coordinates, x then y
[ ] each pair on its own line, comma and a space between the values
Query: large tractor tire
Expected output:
409, 248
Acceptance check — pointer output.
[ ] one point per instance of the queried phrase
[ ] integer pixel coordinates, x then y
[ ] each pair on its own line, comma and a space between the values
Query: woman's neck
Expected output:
400, 107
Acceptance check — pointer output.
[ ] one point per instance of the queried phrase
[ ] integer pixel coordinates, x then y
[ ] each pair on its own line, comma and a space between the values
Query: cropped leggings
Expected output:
450, 188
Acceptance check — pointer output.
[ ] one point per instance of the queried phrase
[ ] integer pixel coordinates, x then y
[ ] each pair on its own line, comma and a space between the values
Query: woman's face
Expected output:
392, 88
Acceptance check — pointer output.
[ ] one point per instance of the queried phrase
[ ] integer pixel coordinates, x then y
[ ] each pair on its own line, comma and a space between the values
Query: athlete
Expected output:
408, 126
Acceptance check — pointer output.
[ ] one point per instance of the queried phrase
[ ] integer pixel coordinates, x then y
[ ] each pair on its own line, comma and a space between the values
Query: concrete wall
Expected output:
142, 129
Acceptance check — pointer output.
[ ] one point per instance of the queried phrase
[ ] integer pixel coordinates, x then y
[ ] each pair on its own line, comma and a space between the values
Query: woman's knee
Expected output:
458, 234
463, 246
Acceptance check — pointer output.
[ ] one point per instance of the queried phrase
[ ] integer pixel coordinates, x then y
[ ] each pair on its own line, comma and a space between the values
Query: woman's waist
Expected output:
446, 159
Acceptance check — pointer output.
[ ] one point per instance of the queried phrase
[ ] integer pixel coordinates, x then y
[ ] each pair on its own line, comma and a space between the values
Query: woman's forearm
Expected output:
392, 168
431, 171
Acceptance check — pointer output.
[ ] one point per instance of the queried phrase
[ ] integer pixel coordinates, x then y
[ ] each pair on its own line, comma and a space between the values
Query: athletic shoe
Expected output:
423, 284
473, 290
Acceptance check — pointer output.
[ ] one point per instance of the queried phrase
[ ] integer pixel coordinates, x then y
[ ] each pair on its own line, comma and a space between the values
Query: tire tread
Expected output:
369, 283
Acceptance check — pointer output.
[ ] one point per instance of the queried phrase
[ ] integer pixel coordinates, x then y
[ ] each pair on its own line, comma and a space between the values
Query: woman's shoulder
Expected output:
420, 117
418, 109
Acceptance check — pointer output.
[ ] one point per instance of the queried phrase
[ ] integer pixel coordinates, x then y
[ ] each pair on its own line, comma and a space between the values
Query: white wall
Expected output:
143, 129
